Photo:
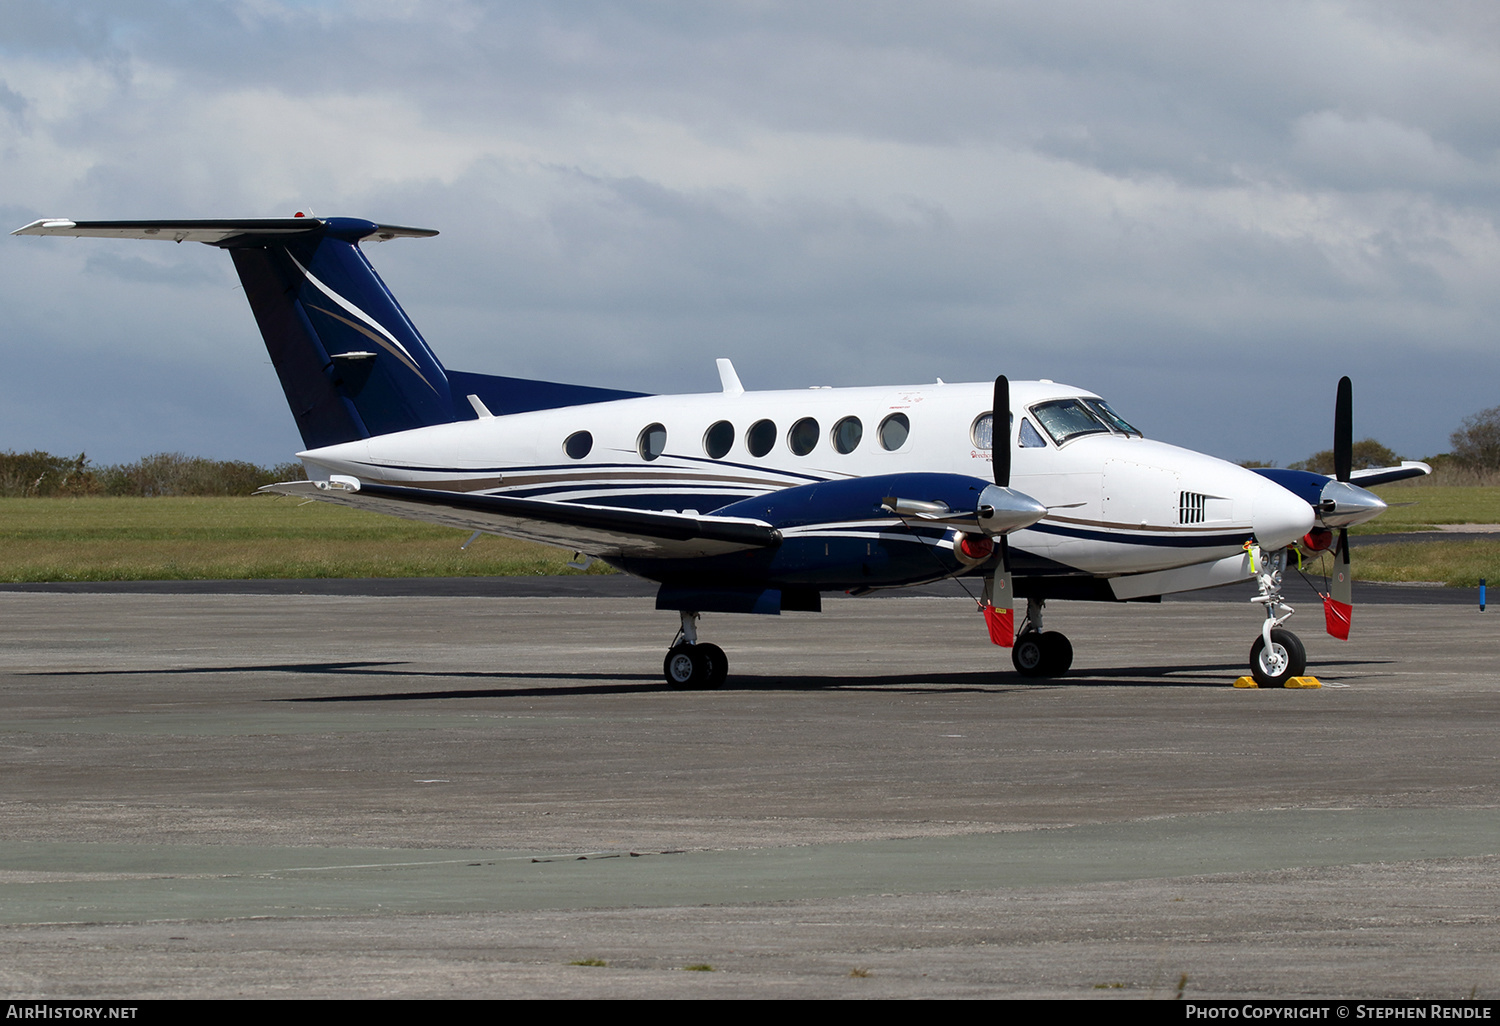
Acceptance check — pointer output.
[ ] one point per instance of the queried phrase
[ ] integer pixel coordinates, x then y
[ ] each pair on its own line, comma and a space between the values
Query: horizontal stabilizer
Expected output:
213, 231
602, 531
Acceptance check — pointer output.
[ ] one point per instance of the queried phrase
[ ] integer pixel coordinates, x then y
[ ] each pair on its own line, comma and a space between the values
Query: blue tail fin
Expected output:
351, 363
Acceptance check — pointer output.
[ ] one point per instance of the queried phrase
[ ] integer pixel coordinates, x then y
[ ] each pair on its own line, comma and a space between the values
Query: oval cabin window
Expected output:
761, 437
652, 441
846, 434
803, 437
718, 439
894, 431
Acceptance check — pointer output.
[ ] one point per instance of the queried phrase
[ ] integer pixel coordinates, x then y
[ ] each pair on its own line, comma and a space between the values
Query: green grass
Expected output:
1457, 562
1432, 505
120, 539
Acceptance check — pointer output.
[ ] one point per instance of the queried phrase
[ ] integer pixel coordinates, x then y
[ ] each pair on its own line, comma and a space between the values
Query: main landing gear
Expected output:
1039, 653
691, 665
1277, 655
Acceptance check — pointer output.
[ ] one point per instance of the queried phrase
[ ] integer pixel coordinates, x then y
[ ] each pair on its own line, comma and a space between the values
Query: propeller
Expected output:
999, 511
1338, 609
999, 588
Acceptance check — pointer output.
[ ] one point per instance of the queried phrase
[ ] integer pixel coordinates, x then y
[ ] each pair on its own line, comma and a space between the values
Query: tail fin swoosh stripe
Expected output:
399, 353
351, 308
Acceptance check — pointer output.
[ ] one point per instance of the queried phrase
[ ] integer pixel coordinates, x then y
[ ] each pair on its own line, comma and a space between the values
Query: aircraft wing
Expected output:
1385, 475
602, 531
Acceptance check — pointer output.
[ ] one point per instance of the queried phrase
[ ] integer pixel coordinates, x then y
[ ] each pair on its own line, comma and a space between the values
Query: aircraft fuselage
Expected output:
1118, 503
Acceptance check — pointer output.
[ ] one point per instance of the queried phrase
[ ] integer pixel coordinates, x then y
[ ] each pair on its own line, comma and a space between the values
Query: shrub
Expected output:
1476, 444
37, 474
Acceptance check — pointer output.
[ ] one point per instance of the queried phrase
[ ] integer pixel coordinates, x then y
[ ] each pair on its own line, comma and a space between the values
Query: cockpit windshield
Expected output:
1065, 419
1106, 413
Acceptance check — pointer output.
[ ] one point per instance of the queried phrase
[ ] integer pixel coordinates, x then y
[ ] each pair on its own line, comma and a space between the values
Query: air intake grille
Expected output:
1190, 508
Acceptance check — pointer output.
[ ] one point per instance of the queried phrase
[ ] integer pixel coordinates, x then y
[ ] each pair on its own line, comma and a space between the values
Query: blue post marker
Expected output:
1481, 594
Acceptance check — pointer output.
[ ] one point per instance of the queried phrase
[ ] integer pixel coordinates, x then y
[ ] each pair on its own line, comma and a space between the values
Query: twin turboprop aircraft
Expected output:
758, 502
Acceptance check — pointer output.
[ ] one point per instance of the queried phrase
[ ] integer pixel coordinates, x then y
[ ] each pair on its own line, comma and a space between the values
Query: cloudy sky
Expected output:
1204, 211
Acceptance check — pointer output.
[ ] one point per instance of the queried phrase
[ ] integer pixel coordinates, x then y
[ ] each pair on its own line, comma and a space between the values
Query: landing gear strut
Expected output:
692, 666
1277, 655
1039, 653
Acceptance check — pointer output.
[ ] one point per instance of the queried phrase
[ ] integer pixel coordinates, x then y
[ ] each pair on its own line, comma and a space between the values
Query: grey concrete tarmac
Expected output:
456, 795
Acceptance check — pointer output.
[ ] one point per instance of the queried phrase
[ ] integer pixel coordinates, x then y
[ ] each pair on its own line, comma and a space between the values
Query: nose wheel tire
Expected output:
695, 667
1286, 658
1042, 654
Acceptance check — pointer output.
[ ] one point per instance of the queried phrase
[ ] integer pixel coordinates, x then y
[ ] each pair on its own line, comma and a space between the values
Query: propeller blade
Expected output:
1000, 442
1343, 430
999, 603
1338, 607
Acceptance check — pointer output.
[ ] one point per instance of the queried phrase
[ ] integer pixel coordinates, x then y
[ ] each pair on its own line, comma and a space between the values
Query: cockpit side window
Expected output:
1106, 413
1030, 437
1066, 419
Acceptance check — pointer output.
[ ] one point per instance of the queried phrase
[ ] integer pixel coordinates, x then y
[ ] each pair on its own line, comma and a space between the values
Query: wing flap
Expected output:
602, 531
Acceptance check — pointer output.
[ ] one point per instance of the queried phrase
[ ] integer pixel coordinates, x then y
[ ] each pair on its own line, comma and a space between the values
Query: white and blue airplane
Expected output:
758, 502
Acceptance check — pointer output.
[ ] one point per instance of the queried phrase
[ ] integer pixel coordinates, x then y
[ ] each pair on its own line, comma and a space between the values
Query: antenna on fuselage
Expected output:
728, 378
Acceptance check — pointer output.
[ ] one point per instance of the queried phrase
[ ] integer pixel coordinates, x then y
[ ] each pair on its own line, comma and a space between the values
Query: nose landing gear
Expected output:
691, 666
1277, 655
1039, 653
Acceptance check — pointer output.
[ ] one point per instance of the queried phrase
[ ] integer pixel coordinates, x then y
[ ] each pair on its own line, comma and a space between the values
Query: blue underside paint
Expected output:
858, 498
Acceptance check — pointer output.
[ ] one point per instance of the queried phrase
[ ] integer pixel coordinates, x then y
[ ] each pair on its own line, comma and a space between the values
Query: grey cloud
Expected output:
1270, 195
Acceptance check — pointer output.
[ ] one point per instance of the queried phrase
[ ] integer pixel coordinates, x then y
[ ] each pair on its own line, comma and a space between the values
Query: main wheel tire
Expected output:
1029, 655
718, 665
685, 668
1285, 659
1057, 654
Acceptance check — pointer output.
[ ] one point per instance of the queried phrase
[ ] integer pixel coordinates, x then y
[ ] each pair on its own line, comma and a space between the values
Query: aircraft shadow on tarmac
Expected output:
1201, 675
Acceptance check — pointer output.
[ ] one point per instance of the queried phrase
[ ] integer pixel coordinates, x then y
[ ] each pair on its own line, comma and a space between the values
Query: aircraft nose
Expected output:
1279, 517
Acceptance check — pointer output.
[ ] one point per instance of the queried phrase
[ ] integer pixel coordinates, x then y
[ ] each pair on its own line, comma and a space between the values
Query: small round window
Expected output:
894, 431
847, 433
761, 437
578, 444
803, 437
652, 441
718, 439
